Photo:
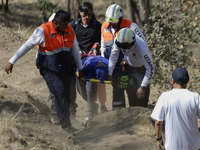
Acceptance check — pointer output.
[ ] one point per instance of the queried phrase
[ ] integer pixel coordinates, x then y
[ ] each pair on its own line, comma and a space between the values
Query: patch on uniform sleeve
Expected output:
52, 35
67, 33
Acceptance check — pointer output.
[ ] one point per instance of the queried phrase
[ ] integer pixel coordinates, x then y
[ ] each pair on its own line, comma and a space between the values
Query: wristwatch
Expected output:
159, 138
143, 87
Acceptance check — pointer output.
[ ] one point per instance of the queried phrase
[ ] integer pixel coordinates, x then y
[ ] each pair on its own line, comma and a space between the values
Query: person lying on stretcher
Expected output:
95, 67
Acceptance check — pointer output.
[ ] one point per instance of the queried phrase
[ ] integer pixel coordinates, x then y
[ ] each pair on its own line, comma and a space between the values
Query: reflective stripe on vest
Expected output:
108, 36
67, 49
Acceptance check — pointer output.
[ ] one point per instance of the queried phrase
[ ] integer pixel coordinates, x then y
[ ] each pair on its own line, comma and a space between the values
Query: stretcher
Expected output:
94, 80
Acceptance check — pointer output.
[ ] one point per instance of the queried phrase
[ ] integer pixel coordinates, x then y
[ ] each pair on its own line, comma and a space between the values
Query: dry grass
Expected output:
10, 138
24, 32
144, 125
1, 95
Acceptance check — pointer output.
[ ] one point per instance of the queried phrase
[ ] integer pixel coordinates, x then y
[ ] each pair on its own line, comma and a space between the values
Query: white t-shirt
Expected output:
179, 108
137, 56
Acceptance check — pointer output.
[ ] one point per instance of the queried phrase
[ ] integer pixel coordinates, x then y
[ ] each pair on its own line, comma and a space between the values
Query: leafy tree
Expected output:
47, 8
168, 33
138, 10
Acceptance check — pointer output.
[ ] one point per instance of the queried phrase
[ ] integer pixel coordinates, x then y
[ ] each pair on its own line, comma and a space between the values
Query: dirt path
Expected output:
25, 114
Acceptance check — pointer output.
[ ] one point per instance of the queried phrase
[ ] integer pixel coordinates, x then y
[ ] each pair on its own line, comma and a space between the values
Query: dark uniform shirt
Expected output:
86, 37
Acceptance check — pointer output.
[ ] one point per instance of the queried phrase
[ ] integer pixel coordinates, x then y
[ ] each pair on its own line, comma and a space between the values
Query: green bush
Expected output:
168, 33
47, 8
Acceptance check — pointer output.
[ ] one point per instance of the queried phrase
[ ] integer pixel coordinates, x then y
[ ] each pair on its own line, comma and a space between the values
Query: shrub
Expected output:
168, 33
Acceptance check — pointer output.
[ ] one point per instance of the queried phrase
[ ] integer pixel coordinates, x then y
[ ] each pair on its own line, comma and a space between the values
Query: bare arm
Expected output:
158, 128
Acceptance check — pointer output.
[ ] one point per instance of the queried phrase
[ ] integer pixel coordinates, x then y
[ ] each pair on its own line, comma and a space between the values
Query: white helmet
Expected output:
125, 38
52, 17
113, 13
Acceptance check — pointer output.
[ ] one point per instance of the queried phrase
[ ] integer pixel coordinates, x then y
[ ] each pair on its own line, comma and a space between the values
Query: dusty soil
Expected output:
25, 115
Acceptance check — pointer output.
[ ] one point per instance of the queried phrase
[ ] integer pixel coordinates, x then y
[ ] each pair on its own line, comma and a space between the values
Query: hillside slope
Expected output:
25, 116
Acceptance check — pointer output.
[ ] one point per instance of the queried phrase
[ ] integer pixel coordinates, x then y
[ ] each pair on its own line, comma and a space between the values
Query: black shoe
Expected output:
69, 129
104, 109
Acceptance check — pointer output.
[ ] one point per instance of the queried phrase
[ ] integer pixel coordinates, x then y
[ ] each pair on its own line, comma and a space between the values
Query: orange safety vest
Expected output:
56, 55
108, 36
54, 41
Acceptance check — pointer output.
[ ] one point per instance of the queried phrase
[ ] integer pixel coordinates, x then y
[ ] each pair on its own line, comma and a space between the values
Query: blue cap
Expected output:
181, 75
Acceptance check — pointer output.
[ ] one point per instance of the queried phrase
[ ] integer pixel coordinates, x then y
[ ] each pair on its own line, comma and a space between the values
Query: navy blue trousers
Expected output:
59, 85
136, 76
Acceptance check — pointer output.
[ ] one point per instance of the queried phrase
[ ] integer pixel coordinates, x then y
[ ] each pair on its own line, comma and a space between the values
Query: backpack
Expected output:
95, 67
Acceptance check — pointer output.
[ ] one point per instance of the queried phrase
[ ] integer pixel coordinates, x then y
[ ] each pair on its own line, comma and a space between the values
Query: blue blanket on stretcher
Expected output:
95, 67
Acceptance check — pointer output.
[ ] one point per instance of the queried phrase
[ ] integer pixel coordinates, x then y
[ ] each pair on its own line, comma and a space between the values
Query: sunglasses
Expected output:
124, 45
112, 20
64, 25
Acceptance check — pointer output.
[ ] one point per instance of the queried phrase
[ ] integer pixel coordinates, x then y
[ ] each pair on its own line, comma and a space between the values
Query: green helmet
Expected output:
114, 13
125, 38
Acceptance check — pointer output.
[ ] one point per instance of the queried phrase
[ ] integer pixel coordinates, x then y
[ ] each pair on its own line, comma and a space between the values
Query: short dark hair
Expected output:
84, 8
181, 83
62, 16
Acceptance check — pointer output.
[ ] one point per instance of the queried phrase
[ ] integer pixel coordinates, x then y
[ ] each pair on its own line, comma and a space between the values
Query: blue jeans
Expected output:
59, 85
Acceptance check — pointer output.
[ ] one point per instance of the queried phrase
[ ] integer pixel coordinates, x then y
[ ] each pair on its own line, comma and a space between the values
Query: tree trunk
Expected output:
4, 6
135, 12
68, 7
129, 9
79, 3
144, 10
73, 9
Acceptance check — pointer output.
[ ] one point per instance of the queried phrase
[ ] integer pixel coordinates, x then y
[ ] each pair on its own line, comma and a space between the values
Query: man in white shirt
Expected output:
136, 70
114, 21
180, 109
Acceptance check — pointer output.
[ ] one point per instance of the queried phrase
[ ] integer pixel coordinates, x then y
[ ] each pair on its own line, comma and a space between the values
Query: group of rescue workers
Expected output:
61, 45
114, 51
